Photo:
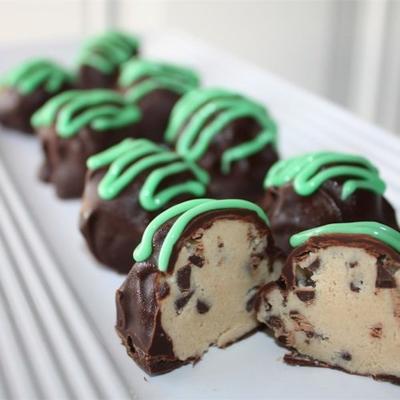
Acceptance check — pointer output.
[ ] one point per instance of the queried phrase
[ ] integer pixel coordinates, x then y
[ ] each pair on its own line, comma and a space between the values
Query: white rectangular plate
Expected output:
57, 312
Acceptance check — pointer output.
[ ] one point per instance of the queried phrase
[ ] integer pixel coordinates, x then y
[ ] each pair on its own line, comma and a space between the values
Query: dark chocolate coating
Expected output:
64, 162
113, 228
245, 179
156, 108
387, 262
138, 299
92, 78
89, 77
290, 213
139, 321
16, 109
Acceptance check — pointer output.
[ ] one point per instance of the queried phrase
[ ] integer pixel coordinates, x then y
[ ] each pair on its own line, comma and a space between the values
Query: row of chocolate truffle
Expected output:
231, 143
107, 61
134, 181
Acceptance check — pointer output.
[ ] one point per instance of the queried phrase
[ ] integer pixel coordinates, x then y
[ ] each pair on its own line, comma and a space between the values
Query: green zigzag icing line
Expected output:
146, 76
190, 128
100, 109
185, 213
108, 51
378, 231
36, 73
128, 159
310, 171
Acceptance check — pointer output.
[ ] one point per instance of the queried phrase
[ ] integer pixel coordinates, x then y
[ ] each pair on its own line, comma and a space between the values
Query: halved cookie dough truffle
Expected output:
101, 58
126, 187
155, 88
321, 188
75, 125
230, 136
26, 88
198, 268
337, 303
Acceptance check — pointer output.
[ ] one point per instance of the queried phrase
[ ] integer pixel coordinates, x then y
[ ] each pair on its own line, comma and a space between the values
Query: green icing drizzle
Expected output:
189, 124
308, 172
146, 76
33, 74
100, 109
185, 212
130, 158
376, 230
108, 51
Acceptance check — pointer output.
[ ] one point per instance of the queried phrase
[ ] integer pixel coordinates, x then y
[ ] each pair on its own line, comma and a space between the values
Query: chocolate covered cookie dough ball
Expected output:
337, 303
322, 188
101, 58
197, 270
230, 136
126, 187
26, 88
75, 125
155, 88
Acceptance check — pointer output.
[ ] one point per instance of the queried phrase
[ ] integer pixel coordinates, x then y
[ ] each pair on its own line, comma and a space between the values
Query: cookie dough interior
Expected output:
216, 276
336, 314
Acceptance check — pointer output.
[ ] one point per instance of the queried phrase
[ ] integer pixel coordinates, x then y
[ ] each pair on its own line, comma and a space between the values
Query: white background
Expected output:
347, 51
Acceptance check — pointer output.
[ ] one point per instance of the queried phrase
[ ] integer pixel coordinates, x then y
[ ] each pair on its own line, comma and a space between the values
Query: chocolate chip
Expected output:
220, 243
250, 303
385, 277
275, 322
281, 283
198, 235
252, 293
163, 290
267, 306
376, 331
320, 336
303, 277
202, 307
346, 356
182, 301
314, 265
183, 278
354, 288
271, 266
255, 261
353, 264
284, 339
196, 260
306, 296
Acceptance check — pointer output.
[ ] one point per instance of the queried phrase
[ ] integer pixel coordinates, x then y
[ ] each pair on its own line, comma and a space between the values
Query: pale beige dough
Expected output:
235, 266
350, 323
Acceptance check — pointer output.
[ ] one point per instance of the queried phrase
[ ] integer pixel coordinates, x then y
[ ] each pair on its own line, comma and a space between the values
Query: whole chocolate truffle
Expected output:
230, 136
199, 266
155, 88
337, 303
26, 88
75, 125
322, 188
101, 58
126, 187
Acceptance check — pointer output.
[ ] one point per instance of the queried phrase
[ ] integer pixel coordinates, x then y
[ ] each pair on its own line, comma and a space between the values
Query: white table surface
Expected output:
57, 311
